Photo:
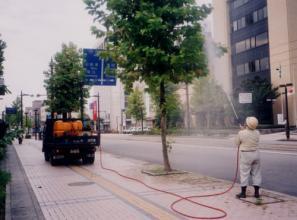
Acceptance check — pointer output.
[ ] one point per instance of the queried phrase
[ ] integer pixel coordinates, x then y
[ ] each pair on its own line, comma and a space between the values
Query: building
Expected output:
113, 104
261, 36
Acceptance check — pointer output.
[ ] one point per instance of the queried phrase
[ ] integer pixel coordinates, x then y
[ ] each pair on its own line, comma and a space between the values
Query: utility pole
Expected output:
287, 127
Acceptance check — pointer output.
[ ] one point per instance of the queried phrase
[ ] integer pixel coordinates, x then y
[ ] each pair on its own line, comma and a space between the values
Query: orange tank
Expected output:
67, 128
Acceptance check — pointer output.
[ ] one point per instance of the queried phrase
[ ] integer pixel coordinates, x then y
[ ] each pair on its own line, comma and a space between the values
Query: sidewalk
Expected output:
21, 202
89, 192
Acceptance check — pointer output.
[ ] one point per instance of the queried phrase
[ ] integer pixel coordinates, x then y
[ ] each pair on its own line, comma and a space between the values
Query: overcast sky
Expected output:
34, 31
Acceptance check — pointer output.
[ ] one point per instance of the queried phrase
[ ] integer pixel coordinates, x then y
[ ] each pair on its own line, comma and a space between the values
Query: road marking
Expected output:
131, 198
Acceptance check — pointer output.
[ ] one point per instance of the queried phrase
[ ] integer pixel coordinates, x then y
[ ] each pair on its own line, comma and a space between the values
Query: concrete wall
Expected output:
282, 28
221, 34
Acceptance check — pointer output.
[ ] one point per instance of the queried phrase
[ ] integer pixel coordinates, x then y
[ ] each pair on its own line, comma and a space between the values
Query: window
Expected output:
255, 16
240, 46
247, 44
257, 65
234, 25
264, 63
238, 3
260, 14
249, 19
252, 67
246, 68
265, 12
240, 69
253, 42
261, 39
241, 23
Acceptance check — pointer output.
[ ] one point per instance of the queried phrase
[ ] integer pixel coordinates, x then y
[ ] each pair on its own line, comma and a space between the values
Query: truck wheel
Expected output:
91, 160
46, 156
53, 161
88, 160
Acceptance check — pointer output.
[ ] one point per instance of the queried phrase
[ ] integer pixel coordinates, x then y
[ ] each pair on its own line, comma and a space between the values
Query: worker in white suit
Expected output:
249, 158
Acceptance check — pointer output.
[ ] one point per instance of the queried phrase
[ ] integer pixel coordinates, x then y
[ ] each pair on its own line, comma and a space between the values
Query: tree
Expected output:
173, 106
153, 41
64, 81
210, 103
136, 106
3, 88
261, 90
15, 119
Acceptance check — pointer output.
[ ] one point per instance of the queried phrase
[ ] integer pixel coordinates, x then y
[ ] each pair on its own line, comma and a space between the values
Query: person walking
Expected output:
249, 158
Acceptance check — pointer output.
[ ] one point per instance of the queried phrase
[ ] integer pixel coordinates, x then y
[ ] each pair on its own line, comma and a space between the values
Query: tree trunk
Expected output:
163, 127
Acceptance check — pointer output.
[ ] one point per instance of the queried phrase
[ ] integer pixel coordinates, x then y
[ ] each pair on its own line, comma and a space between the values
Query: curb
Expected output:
21, 202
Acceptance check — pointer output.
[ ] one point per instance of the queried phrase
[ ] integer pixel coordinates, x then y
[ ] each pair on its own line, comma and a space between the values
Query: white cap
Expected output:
252, 122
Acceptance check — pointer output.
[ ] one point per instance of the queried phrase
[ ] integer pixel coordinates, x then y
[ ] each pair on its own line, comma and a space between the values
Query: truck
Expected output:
69, 139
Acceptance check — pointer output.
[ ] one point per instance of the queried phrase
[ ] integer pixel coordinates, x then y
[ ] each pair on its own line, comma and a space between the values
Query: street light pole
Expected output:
21, 109
26, 122
287, 108
22, 94
35, 111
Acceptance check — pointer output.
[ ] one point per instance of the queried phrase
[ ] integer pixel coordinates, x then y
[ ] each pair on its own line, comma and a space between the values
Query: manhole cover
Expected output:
265, 199
80, 184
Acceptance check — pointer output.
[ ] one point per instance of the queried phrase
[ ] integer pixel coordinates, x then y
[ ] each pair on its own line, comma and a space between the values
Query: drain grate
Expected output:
80, 184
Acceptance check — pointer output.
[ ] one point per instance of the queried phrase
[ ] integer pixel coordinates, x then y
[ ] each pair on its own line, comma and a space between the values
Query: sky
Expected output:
34, 31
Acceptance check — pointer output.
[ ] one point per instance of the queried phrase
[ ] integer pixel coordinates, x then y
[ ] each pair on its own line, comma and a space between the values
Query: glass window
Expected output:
243, 22
238, 3
255, 16
249, 19
253, 42
240, 46
257, 65
264, 62
260, 14
261, 39
247, 44
252, 66
240, 69
265, 12
246, 68
234, 25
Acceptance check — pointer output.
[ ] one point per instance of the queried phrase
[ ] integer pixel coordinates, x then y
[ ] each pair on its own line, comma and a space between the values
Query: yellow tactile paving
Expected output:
136, 201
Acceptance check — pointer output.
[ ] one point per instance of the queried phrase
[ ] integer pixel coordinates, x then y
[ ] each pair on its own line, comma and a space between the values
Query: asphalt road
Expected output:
279, 169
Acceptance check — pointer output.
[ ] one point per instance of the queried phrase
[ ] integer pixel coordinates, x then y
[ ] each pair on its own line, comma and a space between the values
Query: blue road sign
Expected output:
10, 111
98, 70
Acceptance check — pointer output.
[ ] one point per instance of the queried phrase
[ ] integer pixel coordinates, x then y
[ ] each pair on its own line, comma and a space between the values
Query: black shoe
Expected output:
257, 194
242, 194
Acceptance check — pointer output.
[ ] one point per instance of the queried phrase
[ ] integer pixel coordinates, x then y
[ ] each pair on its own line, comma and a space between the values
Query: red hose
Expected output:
181, 198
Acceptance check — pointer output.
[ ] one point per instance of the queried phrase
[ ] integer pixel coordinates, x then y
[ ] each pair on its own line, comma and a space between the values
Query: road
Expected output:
278, 167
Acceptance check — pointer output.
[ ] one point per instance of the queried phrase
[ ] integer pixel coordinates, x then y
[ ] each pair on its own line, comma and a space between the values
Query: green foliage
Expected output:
3, 88
4, 179
210, 103
173, 107
64, 80
2, 47
153, 41
14, 119
261, 90
136, 106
